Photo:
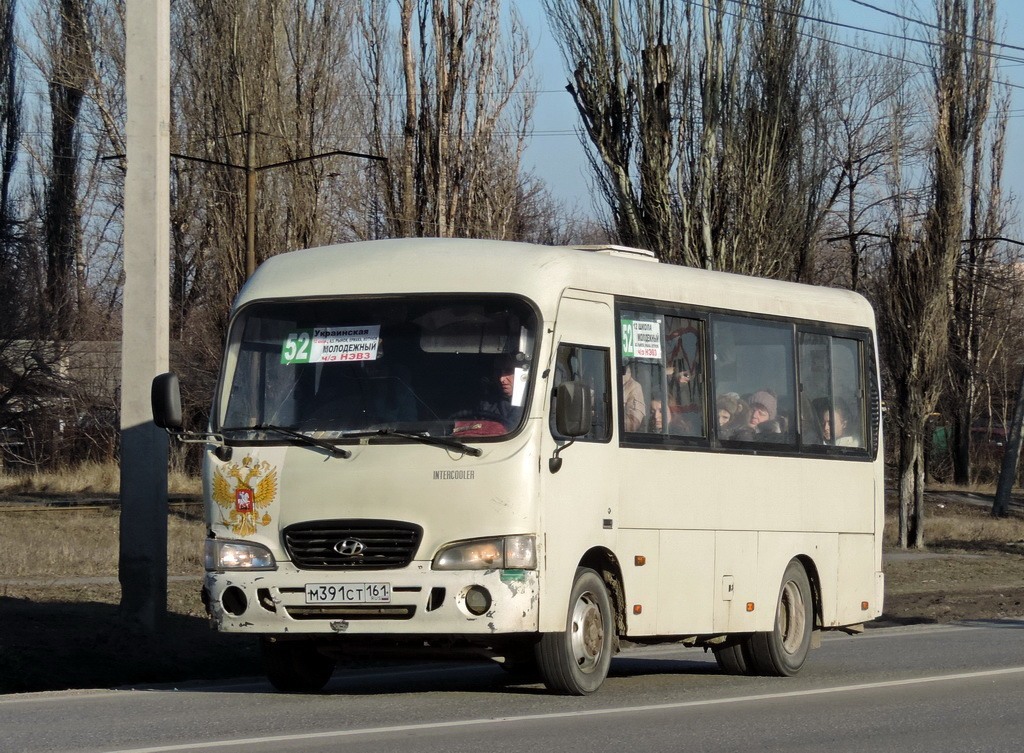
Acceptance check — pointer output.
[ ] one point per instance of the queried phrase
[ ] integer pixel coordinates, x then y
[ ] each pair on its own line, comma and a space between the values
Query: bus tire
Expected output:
733, 659
782, 651
576, 661
295, 666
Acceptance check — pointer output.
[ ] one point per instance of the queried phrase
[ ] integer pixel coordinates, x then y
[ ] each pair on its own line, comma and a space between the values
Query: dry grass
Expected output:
63, 542
970, 530
962, 530
88, 478
959, 525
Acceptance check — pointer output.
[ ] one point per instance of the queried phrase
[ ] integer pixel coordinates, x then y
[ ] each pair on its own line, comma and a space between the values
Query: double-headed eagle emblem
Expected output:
244, 491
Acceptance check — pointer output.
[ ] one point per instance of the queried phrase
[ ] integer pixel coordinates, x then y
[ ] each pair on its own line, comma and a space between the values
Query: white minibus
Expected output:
535, 454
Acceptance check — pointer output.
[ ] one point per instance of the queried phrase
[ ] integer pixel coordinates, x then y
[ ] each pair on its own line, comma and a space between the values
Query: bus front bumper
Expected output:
413, 601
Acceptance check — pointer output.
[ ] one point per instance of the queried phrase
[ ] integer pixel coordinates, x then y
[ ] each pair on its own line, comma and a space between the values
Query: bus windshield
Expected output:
452, 366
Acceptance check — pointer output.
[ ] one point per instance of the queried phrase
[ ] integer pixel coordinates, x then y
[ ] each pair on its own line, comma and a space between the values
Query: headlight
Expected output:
237, 555
505, 552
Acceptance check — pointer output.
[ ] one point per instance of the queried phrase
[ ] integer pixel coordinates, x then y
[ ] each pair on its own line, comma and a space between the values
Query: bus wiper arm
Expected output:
451, 444
334, 450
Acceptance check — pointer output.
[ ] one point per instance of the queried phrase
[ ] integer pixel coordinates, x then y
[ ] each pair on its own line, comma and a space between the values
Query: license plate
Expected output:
348, 593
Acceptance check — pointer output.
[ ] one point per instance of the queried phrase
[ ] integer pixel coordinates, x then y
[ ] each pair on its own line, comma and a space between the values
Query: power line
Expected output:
875, 32
865, 50
920, 22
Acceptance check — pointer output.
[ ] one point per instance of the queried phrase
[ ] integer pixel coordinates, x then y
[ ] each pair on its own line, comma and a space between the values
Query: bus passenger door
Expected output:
577, 506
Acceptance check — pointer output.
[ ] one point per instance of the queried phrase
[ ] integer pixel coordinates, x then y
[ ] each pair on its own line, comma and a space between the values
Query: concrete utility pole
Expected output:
142, 565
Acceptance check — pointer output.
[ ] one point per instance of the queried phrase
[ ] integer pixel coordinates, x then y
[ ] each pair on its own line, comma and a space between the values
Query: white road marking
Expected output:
278, 739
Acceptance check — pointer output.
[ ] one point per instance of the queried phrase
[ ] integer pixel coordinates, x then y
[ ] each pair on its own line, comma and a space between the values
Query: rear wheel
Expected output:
576, 661
782, 651
733, 658
295, 666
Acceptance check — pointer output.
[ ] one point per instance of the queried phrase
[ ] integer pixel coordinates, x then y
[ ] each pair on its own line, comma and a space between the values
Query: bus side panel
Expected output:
686, 593
674, 589
857, 580
737, 491
640, 581
735, 580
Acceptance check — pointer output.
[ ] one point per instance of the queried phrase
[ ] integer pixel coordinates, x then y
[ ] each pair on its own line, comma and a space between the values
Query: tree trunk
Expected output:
911, 490
407, 170
1011, 456
63, 234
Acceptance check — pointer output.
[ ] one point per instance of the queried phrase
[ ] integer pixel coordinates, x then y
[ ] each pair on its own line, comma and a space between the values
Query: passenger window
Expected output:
754, 380
591, 366
662, 366
832, 394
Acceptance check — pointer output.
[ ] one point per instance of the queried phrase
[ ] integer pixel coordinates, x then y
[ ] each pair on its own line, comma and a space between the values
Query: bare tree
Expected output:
12, 228
980, 316
262, 85
867, 108
67, 85
708, 127
924, 251
10, 127
451, 111
77, 194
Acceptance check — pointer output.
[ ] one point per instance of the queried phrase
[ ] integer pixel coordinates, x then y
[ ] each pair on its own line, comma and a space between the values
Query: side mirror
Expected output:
574, 416
574, 411
165, 397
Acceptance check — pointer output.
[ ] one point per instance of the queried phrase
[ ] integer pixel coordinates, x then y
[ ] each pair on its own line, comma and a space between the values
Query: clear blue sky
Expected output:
558, 158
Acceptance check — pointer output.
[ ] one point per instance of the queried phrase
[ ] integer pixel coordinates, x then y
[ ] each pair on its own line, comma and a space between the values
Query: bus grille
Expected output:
352, 544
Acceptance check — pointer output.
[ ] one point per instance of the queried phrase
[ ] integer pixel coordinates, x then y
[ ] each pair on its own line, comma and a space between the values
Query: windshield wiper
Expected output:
335, 451
424, 438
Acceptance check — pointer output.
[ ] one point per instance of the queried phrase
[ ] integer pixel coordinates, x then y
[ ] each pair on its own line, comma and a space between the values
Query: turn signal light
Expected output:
750, 606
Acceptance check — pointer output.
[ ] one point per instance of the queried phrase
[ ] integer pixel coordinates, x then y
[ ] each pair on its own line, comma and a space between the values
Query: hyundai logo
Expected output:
350, 548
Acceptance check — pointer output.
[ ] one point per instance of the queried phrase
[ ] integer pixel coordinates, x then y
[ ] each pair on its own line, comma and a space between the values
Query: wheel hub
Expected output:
587, 633
792, 623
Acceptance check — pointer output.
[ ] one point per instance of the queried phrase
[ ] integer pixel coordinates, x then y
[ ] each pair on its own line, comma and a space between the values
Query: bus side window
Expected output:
755, 380
590, 366
832, 391
676, 381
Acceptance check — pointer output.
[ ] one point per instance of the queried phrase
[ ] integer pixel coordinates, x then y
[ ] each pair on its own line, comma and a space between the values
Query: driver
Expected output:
499, 403
496, 413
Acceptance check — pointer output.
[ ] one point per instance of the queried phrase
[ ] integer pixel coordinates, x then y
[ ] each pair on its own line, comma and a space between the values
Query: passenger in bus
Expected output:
656, 413
684, 385
761, 421
729, 406
681, 422
634, 407
682, 412
841, 436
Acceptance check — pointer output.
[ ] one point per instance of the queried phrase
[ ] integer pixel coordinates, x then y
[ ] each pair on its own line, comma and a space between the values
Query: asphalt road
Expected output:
926, 688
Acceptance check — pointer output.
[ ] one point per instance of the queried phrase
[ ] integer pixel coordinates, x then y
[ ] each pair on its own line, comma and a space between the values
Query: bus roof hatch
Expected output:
624, 252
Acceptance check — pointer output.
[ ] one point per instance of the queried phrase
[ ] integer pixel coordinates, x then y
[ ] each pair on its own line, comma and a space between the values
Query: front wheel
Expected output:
576, 661
295, 666
782, 651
